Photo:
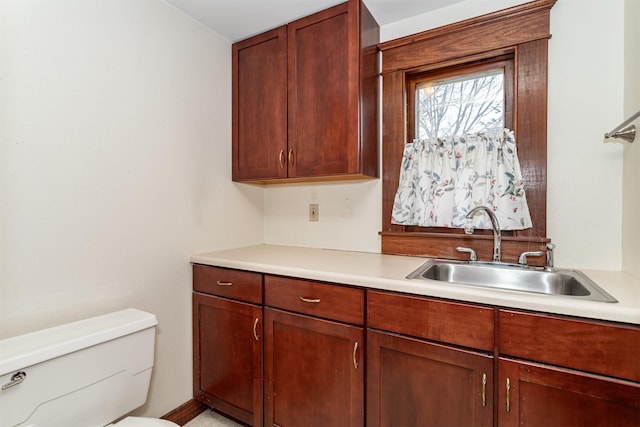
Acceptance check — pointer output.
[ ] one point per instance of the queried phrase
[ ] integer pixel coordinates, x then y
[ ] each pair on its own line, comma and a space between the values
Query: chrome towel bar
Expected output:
624, 130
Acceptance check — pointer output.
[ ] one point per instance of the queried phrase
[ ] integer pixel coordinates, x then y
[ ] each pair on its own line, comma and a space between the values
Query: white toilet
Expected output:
82, 374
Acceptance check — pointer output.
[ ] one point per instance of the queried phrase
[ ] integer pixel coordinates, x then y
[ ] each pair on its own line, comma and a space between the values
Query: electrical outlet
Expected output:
314, 212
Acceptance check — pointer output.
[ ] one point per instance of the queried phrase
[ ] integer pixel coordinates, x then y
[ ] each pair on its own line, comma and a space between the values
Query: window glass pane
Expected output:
460, 105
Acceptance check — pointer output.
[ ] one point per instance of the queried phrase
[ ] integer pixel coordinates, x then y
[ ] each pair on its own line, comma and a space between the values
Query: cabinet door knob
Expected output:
281, 158
508, 386
255, 329
484, 390
355, 355
291, 157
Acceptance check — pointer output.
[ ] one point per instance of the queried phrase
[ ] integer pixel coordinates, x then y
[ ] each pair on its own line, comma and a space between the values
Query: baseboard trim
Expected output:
185, 412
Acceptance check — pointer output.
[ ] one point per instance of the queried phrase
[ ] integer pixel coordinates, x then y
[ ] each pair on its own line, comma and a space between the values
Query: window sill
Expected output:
443, 245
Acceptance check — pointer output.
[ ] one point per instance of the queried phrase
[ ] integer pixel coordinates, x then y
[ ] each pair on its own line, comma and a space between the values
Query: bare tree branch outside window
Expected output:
461, 105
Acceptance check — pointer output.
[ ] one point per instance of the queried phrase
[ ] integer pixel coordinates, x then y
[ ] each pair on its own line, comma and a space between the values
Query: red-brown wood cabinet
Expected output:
415, 379
260, 107
314, 372
227, 341
428, 362
539, 395
412, 382
305, 99
566, 372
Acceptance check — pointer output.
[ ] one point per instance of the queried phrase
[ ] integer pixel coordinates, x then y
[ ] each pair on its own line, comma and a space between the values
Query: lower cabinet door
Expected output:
540, 395
227, 356
417, 383
314, 373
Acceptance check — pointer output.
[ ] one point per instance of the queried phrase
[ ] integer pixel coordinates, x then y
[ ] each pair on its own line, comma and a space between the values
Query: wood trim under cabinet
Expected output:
185, 412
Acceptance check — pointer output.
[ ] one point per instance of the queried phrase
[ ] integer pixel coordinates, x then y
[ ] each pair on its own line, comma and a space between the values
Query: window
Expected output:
460, 105
460, 100
514, 40
461, 156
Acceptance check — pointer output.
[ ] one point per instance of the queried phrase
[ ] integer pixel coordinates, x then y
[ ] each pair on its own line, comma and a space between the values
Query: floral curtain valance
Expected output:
442, 179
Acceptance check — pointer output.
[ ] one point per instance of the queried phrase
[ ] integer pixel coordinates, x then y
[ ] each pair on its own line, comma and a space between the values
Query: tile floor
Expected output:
211, 419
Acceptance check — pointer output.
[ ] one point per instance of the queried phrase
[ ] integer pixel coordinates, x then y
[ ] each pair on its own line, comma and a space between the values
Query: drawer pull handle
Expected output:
508, 384
16, 379
255, 329
355, 353
312, 300
484, 390
281, 158
224, 283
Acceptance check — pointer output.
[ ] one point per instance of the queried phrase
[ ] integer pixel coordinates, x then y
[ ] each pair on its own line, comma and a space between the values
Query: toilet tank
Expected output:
81, 374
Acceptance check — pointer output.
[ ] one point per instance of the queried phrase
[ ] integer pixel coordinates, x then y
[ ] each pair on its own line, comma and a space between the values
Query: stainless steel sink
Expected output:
569, 283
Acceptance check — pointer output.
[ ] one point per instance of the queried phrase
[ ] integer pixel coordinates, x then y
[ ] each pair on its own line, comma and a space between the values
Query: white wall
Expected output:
350, 215
585, 101
584, 179
114, 167
444, 16
631, 178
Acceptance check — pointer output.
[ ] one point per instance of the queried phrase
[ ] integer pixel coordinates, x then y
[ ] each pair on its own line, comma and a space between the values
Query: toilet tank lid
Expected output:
26, 350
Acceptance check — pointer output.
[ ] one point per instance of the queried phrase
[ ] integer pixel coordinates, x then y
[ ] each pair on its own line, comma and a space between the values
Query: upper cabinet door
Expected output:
260, 106
323, 92
305, 99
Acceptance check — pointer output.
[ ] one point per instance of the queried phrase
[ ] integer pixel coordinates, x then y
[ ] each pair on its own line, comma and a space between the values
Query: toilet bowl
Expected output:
82, 374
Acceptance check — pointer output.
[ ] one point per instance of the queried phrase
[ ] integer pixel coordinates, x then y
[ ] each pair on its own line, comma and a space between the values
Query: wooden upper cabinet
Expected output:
305, 99
259, 105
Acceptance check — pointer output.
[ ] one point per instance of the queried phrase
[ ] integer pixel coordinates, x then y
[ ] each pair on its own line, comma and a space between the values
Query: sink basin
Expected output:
569, 283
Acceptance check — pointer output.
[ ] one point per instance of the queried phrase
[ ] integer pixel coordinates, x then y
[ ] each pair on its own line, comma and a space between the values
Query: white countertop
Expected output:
388, 272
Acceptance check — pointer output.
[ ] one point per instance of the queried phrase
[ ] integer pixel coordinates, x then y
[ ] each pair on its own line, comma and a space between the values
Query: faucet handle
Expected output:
471, 252
468, 225
522, 260
550, 248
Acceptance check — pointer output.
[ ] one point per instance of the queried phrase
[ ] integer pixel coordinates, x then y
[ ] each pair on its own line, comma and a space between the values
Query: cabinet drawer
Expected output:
597, 347
317, 299
454, 323
236, 284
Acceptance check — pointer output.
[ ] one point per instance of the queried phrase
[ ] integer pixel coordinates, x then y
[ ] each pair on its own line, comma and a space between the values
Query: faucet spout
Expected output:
497, 238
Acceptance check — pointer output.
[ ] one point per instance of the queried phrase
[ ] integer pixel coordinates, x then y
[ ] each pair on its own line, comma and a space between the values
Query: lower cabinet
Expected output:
411, 382
227, 356
313, 371
280, 351
313, 353
539, 396
562, 371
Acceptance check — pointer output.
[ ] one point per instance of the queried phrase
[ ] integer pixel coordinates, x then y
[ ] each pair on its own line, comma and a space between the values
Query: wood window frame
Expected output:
521, 32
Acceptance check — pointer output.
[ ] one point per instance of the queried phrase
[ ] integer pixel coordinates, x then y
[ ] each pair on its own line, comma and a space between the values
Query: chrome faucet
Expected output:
497, 238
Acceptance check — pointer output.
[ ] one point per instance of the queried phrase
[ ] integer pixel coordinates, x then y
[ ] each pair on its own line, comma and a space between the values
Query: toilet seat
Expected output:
143, 422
